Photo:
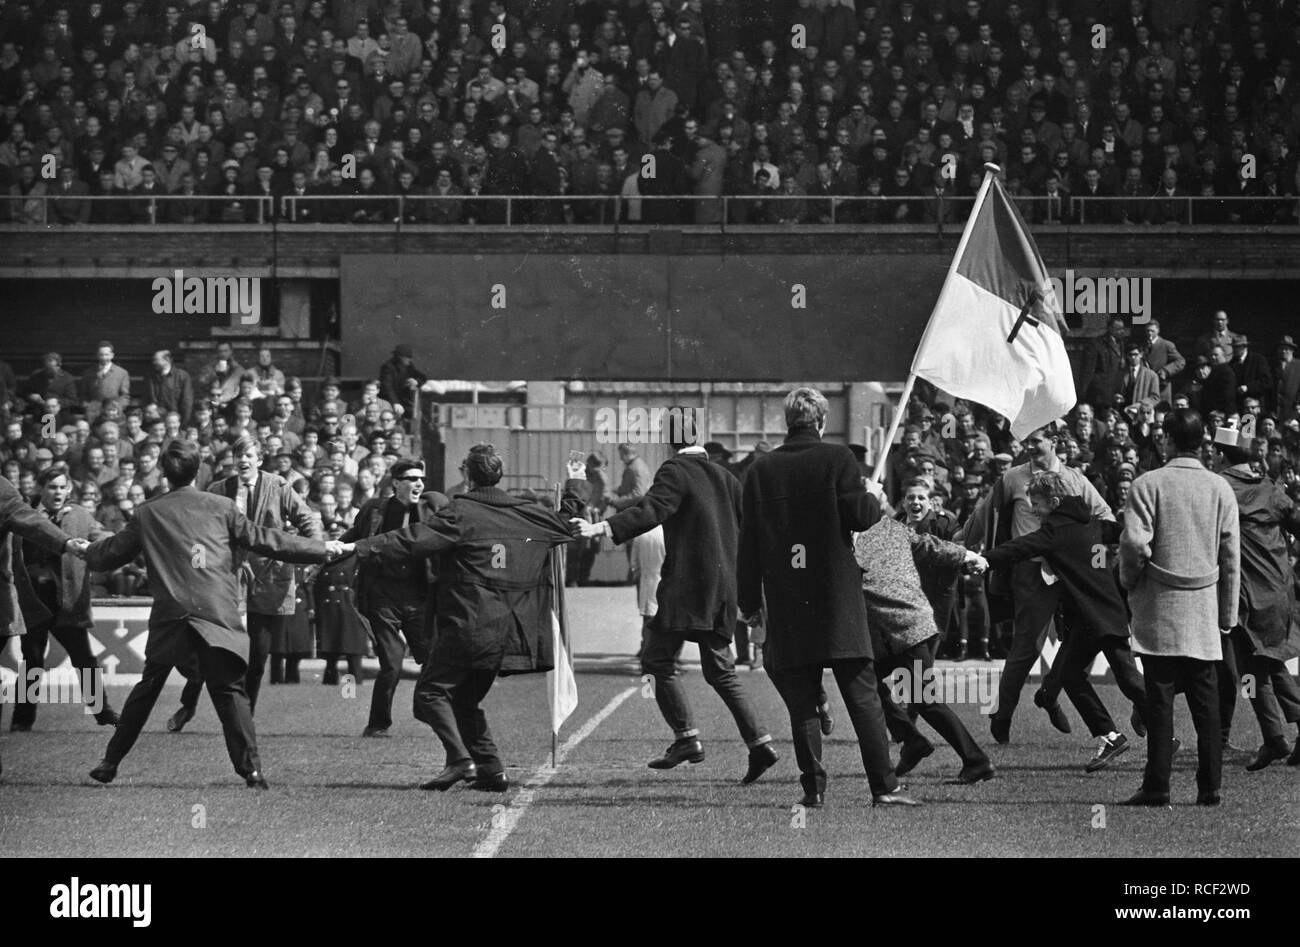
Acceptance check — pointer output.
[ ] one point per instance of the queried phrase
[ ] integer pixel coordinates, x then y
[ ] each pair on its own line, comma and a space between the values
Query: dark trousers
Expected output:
918, 661
393, 626
223, 673
260, 629
1075, 658
1198, 681
331, 675
447, 699
800, 688
1035, 605
1273, 692
660, 660
76, 642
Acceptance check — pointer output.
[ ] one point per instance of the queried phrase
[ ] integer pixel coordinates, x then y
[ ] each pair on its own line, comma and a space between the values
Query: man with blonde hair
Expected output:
802, 504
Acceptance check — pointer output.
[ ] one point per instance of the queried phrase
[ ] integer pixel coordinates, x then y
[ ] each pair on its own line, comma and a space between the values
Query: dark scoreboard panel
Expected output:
715, 318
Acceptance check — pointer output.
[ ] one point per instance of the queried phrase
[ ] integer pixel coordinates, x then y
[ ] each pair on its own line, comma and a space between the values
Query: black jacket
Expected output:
494, 577
1073, 544
698, 504
803, 502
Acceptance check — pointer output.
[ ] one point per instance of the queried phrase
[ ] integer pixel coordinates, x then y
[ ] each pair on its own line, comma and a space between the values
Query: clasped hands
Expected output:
975, 564
77, 547
337, 549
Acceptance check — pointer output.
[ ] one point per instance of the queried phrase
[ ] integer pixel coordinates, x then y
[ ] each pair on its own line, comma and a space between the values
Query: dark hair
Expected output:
1186, 429
180, 464
49, 473
681, 428
484, 466
402, 467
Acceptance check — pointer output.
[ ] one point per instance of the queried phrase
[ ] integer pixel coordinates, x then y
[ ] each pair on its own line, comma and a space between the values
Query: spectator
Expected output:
106, 388
170, 388
399, 379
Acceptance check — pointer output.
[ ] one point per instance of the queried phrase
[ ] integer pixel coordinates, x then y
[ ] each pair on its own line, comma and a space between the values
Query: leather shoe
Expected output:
104, 772
1054, 712
813, 800
255, 780
491, 782
960, 653
1294, 758
1137, 723
982, 652
1144, 798
911, 754
453, 774
1266, 755
378, 733
687, 750
761, 758
973, 773
107, 718
1001, 729
893, 799
177, 721
827, 721
1208, 799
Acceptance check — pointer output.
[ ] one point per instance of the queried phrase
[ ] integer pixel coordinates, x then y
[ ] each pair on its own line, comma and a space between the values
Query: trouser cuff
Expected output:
690, 734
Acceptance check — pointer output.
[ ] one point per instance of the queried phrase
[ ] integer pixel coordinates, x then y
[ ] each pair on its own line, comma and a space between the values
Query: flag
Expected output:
562, 686
996, 335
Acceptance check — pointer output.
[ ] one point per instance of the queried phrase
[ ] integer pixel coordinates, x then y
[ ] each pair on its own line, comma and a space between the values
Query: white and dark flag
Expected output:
996, 334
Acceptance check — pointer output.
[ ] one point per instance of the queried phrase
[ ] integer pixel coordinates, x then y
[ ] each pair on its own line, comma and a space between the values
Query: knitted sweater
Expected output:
898, 613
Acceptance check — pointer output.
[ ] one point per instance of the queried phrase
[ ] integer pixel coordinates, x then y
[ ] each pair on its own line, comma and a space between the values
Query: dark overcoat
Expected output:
697, 502
19, 521
1073, 544
494, 578
192, 543
340, 626
802, 504
1267, 602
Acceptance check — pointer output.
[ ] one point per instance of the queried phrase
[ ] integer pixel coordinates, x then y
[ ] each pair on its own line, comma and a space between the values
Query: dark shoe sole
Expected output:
979, 776
673, 764
1101, 763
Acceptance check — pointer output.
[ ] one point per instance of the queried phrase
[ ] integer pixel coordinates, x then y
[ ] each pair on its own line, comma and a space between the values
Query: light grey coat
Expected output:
1179, 557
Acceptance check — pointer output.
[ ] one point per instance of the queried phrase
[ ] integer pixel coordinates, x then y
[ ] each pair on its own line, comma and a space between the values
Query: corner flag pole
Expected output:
990, 172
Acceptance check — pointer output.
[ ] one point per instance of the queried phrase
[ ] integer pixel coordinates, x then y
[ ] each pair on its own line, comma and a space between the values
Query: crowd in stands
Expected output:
208, 111
108, 433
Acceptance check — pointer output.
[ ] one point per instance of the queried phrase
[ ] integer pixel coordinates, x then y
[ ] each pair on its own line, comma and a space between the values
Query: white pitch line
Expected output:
508, 820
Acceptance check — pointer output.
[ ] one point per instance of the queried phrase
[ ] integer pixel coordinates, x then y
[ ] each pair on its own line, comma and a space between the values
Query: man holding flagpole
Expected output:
996, 337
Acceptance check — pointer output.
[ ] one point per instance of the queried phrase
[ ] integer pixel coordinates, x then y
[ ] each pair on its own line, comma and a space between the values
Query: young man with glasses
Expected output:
391, 593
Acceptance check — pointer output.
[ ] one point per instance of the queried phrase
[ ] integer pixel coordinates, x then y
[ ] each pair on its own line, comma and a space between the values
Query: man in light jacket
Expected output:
1179, 559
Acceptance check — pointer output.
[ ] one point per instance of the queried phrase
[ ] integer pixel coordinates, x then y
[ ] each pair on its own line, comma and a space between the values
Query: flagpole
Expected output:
877, 476
558, 578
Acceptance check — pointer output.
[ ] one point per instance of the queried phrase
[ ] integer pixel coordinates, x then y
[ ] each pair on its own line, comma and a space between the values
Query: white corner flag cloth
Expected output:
995, 336
562, 685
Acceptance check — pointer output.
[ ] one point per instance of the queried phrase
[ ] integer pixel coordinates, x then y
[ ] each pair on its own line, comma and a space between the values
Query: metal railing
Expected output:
604, 212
